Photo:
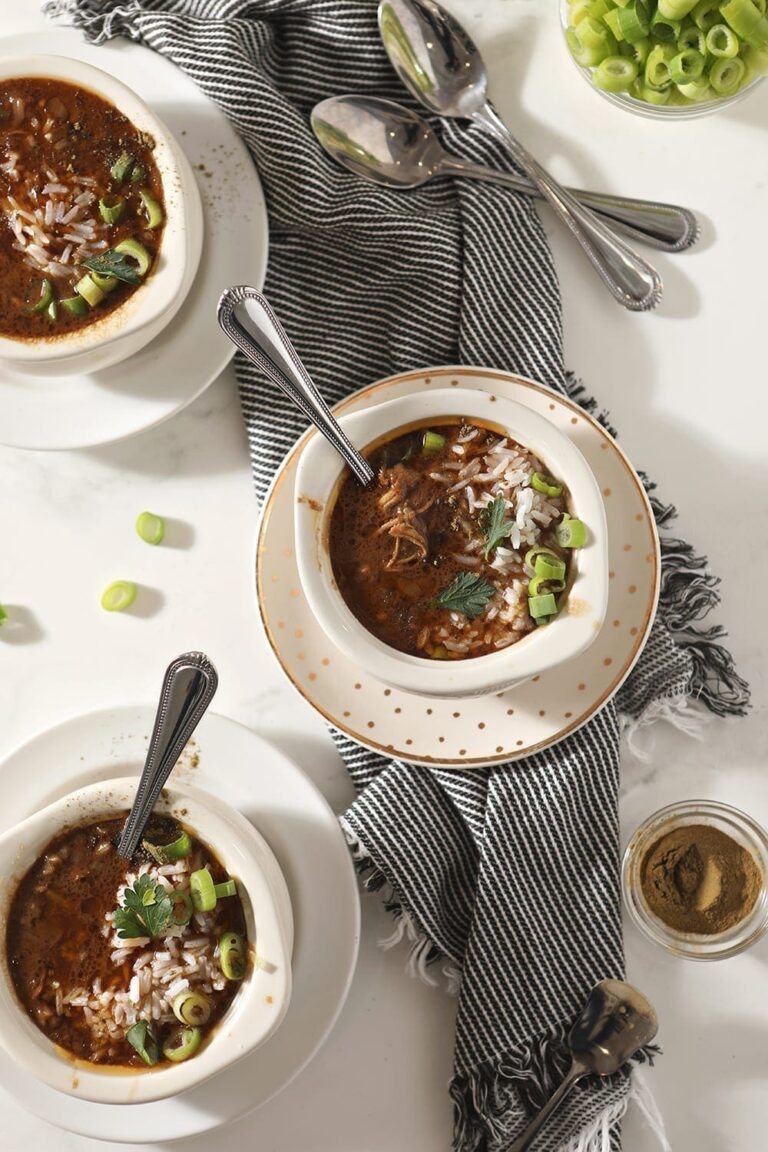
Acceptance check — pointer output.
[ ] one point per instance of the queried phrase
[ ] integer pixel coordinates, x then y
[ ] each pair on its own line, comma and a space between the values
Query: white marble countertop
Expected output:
685, 388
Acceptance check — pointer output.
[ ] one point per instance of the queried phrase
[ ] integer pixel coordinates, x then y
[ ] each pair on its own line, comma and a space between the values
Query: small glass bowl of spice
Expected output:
694, 880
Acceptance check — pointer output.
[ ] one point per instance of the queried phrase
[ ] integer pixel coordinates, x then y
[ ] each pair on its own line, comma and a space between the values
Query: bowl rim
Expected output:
164, 291
419, 675
691, 945
249, 1020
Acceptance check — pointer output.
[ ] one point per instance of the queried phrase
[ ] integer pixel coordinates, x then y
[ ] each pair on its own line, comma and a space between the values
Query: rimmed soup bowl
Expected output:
319, 475
261, 1000
145, 312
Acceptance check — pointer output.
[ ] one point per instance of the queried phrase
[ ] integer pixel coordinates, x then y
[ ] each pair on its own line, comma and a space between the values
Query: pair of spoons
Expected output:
616, 1020
440, 65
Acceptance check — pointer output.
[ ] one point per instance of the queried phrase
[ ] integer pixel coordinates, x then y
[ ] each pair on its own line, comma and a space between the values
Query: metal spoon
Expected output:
188, 687
265, 343
440, 65
384, 142
616, 1022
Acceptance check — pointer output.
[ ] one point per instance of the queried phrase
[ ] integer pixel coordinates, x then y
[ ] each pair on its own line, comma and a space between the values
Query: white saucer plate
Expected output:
286, 807
482, 730
82, 411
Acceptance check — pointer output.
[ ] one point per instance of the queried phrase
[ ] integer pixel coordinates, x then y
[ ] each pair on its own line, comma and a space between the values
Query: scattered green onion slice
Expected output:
549, 566
137, 252
154, 212
183, 908
167, 853
46, 296
432, 443
191, 1008
532, 554
225, 888
118, 596
141, 1037
112, 213
547, 484
150, 528
542, 583
75, 305
542, 606
89, 290
182, 1043
122, 167
232, 956
571, 533
203, 890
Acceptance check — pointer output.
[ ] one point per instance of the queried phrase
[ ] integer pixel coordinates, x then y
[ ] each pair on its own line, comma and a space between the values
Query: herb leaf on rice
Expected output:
468, 594
494, 524
146, 910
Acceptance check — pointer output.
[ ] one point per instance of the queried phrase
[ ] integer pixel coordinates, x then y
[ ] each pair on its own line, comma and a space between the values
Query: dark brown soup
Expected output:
85, 986
78, 184
460, 548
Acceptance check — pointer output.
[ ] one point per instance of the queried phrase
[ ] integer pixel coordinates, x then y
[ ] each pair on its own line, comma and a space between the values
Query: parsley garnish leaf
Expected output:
112, 263
494, 525
146, 910
469, 594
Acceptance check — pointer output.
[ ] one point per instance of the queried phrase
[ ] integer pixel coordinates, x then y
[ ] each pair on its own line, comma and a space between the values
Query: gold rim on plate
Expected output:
485, 730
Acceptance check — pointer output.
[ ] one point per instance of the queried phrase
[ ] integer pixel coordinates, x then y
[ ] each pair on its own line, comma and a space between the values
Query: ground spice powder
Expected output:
698, 879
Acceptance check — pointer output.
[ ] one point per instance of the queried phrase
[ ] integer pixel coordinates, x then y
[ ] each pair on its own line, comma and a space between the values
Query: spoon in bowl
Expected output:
248, 320
442, 68
389, 144
189, 685
615, 1022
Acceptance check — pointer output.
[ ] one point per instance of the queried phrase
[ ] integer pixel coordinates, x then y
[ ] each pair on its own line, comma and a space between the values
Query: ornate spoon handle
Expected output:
188, 688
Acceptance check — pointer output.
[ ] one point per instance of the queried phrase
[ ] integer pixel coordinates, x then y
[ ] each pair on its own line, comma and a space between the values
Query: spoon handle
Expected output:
524, 1141
667, 227
266, 345
629, 278
189, 685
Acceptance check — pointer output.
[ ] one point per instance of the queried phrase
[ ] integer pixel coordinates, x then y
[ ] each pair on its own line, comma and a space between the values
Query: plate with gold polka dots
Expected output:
484, 730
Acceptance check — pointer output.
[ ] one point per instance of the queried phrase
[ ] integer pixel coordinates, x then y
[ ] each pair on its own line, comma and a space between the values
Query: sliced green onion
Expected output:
692, 37
696, 90
182, 1043
571, 533
432, 443
676, 9
581, 8
614, 23
89, 290
112, 213
592, 33
542, 606
541, 583
232, 956
616, 73
546, 484
183, 907
225, 888
167, 853
138, 174
532, 554
75, 305
203, 890
687, 65
191, 1008
706, 13
664, 29
137, 252
633, 21
3, 614
154, 212
46, 296
141, 1037
104, 282
725, 75
52, 311
722, 41
118, 596
652, 95
121, 168
549, 566
747, 21
657, 72
584, 56
150, 528
756, 60
638, 51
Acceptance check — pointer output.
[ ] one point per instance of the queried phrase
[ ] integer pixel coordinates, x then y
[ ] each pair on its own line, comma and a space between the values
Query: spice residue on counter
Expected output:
698, 879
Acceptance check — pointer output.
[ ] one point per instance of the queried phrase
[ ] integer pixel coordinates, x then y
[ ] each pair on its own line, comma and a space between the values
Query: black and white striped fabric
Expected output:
508, 876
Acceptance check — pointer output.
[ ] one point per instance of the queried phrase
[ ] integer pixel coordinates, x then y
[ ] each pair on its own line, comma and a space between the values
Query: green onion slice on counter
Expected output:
141, 1037
232, 955
546, 484
118, 596
182, 1043
150, 528
571, 533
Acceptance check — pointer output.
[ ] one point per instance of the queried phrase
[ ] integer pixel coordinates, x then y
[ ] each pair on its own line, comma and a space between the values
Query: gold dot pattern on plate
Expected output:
544, 709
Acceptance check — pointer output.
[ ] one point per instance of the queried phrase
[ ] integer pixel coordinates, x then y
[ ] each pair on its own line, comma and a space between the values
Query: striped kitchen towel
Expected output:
507, 877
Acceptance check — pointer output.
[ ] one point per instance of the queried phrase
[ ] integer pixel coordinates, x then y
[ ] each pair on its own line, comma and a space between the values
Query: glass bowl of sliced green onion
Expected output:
669, 59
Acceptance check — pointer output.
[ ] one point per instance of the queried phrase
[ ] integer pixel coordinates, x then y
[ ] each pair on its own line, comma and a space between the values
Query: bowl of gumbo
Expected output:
476, 558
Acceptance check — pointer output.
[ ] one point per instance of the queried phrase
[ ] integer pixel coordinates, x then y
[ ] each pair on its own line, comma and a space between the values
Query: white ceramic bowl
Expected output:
148, 310
251, 1018
317, 478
